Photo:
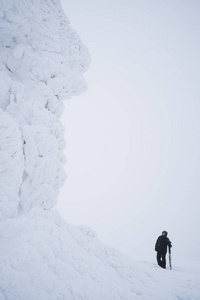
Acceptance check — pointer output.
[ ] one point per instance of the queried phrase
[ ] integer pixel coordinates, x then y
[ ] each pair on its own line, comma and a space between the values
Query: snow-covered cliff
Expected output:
41, 256
41, 64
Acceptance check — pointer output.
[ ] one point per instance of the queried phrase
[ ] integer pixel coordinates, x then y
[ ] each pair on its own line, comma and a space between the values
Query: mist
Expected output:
133, 137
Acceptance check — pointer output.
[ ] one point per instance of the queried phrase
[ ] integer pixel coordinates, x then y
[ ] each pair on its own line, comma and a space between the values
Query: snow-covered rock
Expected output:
41, 64
11, 165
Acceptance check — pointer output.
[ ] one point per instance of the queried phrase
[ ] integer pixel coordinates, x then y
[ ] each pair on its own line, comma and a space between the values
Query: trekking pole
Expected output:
170, 259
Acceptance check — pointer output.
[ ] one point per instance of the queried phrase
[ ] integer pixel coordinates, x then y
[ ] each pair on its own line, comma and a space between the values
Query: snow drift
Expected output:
41, 256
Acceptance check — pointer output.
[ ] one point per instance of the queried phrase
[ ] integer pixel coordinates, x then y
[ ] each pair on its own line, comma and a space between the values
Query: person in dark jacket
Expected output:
161, 248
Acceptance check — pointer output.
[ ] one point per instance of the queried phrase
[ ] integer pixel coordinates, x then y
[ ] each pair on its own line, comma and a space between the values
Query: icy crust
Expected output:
41, 63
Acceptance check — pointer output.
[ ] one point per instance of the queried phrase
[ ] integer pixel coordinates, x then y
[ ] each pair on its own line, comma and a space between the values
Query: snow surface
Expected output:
41, 256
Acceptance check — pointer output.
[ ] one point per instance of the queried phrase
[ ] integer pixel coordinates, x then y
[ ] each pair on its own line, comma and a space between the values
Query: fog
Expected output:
133, 137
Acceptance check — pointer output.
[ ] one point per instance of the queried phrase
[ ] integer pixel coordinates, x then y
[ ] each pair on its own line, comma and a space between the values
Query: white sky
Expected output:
133, 137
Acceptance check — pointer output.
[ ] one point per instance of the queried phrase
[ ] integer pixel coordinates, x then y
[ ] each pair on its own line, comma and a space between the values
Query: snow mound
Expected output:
42, 257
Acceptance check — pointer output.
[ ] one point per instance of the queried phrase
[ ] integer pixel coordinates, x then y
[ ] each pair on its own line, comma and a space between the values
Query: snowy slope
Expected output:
41, 256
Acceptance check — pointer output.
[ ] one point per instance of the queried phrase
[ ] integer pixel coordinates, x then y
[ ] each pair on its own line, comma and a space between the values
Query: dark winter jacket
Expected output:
162, 243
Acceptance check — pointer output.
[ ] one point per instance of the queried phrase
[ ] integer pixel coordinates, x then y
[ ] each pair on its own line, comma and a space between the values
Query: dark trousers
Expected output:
161, 259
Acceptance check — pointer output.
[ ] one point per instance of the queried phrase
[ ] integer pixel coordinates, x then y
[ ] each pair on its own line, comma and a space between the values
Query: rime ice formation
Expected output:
41, 256
41, 64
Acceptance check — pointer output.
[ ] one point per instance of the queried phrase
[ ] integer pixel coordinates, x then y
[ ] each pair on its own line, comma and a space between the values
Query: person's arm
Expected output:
169, 243
157, 244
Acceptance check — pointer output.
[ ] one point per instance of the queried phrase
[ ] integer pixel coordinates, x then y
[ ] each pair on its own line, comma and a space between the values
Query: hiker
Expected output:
161, 248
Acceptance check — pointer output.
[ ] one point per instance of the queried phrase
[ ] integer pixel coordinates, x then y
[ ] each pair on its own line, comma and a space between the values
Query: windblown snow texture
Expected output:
41, 256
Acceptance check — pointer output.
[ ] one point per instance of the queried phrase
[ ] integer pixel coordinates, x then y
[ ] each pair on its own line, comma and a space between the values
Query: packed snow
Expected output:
42, 61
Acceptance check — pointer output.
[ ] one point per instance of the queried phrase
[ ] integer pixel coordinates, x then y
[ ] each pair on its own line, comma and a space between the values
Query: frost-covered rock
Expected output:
11, 165
41, 63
